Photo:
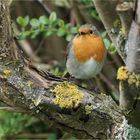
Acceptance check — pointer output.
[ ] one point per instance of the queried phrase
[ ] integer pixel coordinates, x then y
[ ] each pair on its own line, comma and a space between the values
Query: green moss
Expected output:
67, 95
116, 23
88, 109
123, 29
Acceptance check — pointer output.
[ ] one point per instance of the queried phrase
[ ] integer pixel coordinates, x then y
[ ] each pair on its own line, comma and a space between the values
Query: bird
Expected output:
86, 53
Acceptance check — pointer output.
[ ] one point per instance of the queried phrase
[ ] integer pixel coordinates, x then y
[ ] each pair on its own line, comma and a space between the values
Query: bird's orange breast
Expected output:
89, 46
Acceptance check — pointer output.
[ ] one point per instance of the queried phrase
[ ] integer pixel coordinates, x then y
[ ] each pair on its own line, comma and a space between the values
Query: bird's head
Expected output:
88, 29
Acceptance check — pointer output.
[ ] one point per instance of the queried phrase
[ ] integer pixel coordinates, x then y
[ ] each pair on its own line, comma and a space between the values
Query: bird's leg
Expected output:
92, 85
69, 77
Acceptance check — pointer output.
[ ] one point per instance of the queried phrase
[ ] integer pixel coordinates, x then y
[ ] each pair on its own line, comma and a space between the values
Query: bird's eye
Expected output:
81, 33
91, 32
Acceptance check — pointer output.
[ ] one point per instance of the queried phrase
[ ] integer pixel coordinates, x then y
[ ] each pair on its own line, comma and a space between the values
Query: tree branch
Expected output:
52, 99
6, 36
108, 15
111, 21
128, 48
125, 12
133, 44
39, 100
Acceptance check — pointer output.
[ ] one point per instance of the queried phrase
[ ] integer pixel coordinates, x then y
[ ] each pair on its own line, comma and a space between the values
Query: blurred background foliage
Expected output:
43, 29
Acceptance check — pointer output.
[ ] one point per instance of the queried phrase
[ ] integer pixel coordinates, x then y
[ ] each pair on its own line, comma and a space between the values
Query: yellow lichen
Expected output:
122, 73
130, 77
29, 83
134, 79
21, 85
24, 92
67, 95
88, 109
7, 73
137, 83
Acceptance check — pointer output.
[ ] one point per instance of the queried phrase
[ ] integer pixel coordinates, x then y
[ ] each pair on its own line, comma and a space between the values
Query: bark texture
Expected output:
127, 43
133, 43
97, 121
6, 35
30, 90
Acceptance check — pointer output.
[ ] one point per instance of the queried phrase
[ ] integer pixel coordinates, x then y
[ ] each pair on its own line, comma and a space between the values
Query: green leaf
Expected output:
43, 20
61, 23
61, 32
72, 138
52, 17
112, 49
107, 43
24, 35
48, 33
104, 34
20, 21
67, 25
35, 33
23, 21
95, 15
26, 20
73, 30
68, 37
34, 23
42, 27
52, 137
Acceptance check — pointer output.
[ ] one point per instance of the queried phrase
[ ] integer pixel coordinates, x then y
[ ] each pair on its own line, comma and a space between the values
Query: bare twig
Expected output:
46, 8
13, 109
30, 136
114, 95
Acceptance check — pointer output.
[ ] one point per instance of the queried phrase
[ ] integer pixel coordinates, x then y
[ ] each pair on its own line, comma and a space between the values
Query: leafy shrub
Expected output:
31, 28
13, 123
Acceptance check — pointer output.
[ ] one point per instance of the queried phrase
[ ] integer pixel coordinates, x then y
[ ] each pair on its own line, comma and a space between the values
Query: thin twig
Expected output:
112, 87
13, 109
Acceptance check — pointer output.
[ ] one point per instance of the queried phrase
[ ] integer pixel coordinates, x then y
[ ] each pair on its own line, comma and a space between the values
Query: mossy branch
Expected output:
57, 101
127, 42
49, 98
129, 87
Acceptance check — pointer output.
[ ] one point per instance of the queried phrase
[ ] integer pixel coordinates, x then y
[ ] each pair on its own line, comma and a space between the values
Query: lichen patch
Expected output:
7, 73
122, 73
88, 109
67, 95
130, 77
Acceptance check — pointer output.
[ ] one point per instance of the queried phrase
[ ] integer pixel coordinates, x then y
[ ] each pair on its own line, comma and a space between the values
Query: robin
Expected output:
86, 53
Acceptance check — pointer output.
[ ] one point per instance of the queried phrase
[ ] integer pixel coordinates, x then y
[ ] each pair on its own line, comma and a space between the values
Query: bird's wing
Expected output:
68, 49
